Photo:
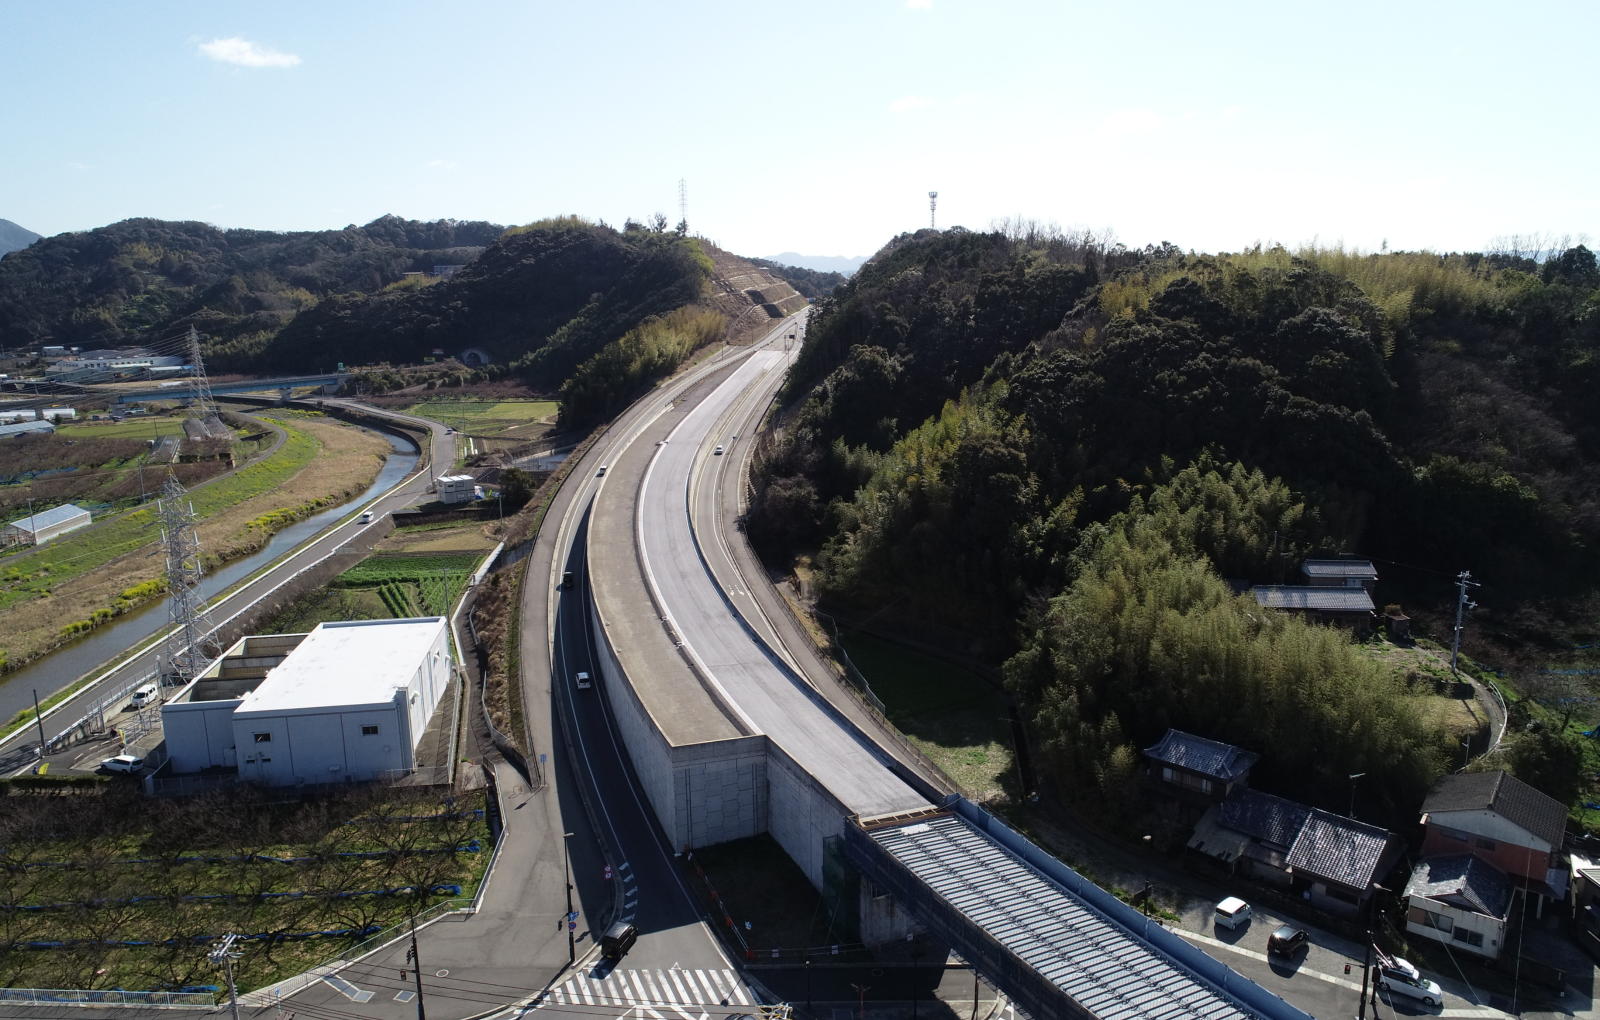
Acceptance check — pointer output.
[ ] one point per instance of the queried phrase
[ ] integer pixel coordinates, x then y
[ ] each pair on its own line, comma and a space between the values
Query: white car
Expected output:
583, 681
123, 763
718, 451
1400, 977
1232, 913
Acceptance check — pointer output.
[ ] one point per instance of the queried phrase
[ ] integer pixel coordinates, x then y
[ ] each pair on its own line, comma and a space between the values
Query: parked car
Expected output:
1287, 941
583, 681
1233, 913
1399, 977
122, 763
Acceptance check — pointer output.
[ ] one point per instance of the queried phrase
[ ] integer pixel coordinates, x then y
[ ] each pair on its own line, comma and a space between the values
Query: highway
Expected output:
17, 753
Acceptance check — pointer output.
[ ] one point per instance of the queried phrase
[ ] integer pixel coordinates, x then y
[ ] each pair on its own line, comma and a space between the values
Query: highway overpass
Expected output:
728, 740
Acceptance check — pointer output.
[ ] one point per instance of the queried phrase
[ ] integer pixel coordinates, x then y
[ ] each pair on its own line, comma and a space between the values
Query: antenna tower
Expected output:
683, 204
191, 644
933, 209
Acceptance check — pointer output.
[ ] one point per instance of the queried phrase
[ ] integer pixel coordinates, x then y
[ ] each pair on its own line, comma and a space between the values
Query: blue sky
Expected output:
816, 127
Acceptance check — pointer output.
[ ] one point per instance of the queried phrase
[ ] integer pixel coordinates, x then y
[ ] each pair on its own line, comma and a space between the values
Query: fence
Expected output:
106, 997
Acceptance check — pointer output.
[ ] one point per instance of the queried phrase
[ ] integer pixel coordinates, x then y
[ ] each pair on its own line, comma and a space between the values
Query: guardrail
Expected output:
106, 997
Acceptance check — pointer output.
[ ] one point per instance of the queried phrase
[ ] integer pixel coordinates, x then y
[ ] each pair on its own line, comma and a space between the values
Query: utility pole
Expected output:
1463, 582
1366, 969
861, 999
415, 960
1353, 777
38, 718
566, 853
222, 952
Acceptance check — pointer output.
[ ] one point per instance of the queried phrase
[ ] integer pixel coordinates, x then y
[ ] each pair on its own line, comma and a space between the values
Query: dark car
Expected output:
1287, 940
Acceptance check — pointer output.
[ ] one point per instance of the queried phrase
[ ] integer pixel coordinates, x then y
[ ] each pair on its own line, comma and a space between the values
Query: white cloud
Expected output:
906, 104
245, 53
918, 5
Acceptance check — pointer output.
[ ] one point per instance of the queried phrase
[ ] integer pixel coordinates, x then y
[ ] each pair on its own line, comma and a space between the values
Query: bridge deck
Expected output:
1101, 967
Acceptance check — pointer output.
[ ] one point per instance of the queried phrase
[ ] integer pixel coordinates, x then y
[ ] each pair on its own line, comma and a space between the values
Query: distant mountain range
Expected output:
15, 238
821, 263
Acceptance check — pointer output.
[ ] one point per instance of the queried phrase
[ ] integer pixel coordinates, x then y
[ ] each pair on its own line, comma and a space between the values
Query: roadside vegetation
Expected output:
129, 894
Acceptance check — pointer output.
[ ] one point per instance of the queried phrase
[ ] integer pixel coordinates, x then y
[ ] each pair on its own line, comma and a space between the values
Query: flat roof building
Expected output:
347, 702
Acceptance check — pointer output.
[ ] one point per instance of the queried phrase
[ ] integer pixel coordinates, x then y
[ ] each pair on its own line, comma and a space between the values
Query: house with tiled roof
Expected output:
1192, 766
1343, 607
1496, 817
1330, 861
1462, 901
1340, 573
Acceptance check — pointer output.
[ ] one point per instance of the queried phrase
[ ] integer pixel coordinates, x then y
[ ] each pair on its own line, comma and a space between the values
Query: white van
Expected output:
1232, 913
146, 694
583, 681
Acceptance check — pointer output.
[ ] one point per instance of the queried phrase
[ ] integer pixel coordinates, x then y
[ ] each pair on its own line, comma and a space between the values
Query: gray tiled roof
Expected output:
1339, 568
1463, 880
1505, 795
1197, 754
1264, 817
1317, 843
1324, 599
50, 518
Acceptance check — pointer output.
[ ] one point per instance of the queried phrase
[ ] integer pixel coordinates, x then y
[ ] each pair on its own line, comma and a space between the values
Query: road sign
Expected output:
572, 926
572, 916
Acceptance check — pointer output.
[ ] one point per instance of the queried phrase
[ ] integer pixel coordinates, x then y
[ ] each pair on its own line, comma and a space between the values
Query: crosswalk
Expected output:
672, 994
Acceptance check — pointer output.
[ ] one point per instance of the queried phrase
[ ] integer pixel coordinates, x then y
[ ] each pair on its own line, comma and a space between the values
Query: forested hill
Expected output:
1033, 442
541, 299
122, 283
14, 237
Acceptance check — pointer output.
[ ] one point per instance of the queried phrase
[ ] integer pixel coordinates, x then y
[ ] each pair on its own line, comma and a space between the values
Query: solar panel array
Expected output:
1107, 970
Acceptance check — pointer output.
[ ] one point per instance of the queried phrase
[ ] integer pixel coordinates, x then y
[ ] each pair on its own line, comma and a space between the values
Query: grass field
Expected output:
123, 892
951, 714
488, 417
132, 428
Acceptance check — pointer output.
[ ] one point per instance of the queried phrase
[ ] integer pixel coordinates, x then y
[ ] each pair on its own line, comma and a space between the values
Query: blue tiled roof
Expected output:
1265, 817
1197, 754
1465, 880
1327, 600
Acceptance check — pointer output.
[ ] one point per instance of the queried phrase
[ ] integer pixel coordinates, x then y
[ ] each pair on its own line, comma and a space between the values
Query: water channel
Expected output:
64, 666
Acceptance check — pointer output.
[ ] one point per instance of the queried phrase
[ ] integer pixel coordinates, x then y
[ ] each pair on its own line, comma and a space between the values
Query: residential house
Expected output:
1330, 861
1193, 766
1460, 900
1503, 821
1340, 573
1344, 607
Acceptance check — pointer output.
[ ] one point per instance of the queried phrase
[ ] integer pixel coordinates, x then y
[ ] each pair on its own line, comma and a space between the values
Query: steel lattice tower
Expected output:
205, 404
191, 645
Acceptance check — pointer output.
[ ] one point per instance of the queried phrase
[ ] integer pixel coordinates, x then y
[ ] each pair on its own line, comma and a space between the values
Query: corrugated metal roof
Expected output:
1197, 754
1106, 969
1329, 600
21, 427
1340, 568
50, 518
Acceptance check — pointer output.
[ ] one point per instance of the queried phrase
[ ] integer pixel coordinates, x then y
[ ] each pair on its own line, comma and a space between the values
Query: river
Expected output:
64, 666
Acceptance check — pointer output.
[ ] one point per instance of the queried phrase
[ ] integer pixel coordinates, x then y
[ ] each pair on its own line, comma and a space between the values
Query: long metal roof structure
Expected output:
1106, 969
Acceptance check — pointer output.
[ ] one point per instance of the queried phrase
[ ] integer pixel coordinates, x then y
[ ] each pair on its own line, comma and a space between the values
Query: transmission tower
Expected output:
204, 405
683, 205
933, 209
190, 645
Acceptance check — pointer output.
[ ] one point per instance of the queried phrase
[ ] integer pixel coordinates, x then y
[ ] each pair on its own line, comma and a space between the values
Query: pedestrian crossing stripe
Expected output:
671, 990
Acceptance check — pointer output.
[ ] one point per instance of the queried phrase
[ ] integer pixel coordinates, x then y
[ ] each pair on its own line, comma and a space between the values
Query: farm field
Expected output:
51, 594
148, 427
381, 587
128, 893
491, 426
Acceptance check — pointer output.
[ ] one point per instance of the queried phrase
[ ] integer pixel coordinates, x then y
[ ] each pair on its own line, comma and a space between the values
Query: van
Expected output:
618, 939
1232, 913
1399, 977
144, 695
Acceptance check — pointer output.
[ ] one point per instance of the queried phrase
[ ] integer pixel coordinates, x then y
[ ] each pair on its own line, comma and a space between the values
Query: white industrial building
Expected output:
46, 524
456, 488
347, 702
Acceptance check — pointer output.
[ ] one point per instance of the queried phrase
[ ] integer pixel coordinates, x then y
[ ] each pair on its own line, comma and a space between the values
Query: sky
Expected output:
816, 127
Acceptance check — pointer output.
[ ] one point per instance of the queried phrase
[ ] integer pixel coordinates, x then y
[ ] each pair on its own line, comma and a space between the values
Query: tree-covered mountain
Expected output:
123, 283
810, 282
538, 301
971, 413
818, 263
14, 237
